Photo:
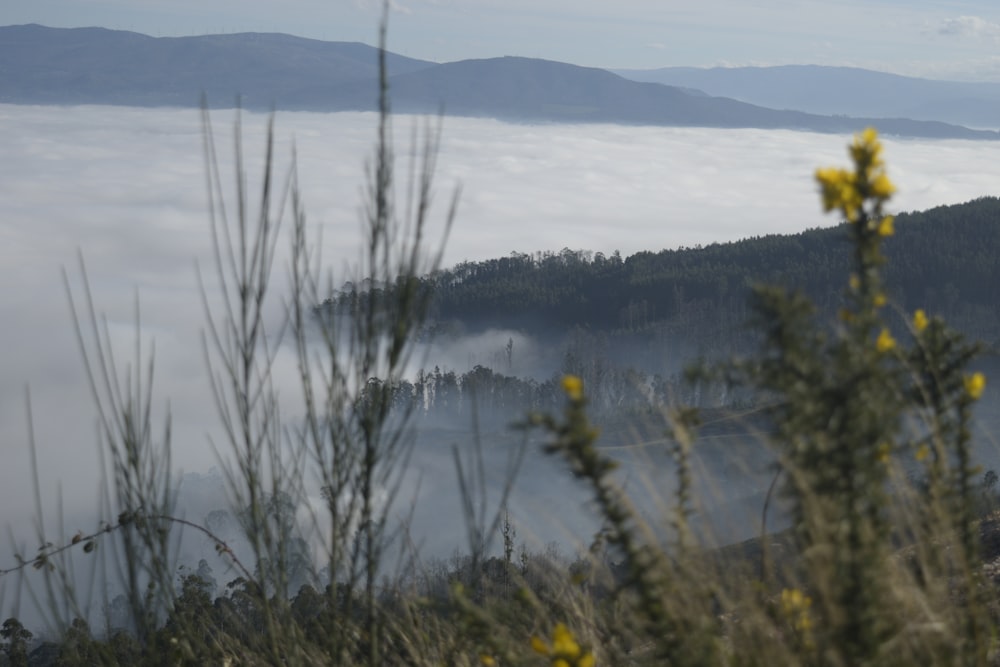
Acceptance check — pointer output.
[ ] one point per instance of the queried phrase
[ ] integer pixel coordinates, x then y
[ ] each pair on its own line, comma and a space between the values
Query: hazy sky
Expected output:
933, 38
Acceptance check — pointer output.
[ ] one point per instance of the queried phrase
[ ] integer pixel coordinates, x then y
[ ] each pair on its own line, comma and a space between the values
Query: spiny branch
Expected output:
125, 520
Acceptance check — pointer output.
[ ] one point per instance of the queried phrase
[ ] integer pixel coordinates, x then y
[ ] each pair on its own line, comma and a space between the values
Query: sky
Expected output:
944, 39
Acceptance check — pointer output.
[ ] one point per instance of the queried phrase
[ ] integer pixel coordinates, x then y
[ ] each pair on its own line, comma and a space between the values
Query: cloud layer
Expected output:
970, 26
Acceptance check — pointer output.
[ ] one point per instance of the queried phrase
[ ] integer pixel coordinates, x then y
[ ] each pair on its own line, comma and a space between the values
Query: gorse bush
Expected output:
870, 430
883, 573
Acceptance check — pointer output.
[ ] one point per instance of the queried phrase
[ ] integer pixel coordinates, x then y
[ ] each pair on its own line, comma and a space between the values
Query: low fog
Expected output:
125, 188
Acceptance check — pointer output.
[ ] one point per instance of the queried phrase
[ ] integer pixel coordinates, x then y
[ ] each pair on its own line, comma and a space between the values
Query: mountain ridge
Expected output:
840, 90
266, 71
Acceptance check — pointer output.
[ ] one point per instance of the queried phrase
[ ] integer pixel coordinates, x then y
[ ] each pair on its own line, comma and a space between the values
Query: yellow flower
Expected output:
487, 660
919, 320
847, 190
885, 227
879, 300
792, 600
854, 281
565, 651
573, 386
564, 643
885, 342
881, 187
974, 385
866, 151
795, 606
923, 451
884, 450
838, 189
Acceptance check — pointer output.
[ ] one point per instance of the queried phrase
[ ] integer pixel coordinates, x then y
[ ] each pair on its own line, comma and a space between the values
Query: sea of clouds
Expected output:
125, 189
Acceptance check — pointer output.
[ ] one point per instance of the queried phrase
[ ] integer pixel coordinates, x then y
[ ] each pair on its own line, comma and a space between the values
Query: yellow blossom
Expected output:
792, 599
879, 300
795, 606
564, 651
564, 642
866, 151
884, 450
847, 190
885, 227
974, 385
920, 320
885, 342
487, 660
854, 281
838, 188
923, 451
573, 386
881, 187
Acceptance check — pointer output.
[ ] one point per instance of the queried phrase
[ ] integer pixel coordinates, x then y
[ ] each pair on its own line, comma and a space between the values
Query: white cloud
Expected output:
970, 26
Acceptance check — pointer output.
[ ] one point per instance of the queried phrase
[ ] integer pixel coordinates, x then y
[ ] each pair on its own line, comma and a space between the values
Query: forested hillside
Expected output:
943, 260
630, 326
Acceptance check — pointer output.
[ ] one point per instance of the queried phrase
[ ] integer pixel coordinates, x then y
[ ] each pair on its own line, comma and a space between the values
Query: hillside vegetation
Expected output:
946, 260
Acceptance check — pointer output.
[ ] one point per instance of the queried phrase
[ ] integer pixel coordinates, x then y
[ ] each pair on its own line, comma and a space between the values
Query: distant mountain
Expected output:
40, 65
840, 90
529, 89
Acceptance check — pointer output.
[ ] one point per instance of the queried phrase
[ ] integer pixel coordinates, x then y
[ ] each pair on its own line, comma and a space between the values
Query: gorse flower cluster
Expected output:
975, 384
847, 190
573, 386
795, 607
563, 651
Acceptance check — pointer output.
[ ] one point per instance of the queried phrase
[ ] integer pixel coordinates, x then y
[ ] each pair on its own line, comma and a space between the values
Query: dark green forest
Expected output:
631, 326
943, 259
